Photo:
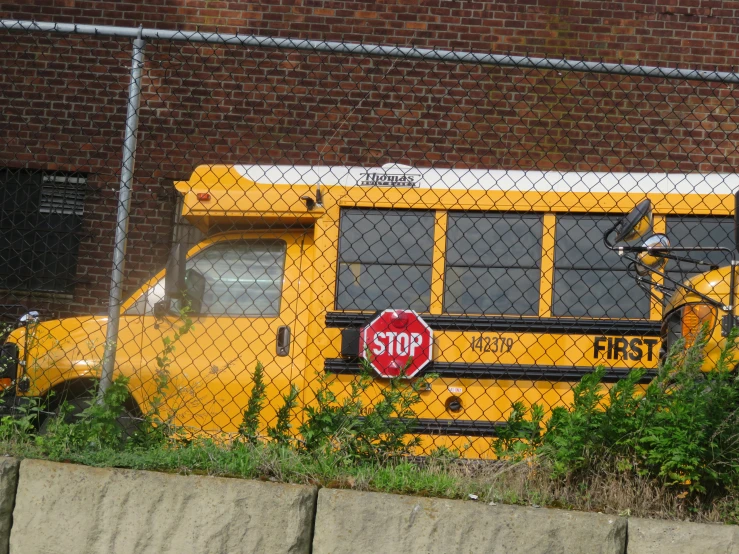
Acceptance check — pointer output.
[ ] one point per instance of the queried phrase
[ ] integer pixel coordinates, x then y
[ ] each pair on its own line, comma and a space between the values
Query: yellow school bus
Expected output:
507, 268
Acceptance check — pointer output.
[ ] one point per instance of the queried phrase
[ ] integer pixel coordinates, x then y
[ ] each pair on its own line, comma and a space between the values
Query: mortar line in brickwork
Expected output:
425, 54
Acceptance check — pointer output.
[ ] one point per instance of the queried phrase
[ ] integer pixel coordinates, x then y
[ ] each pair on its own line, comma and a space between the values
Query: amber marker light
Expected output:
694, 316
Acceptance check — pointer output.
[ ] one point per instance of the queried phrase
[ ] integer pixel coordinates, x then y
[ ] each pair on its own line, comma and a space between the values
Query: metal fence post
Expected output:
124, 205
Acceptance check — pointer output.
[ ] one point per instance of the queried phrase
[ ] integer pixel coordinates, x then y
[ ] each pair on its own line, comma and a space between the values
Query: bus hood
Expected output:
61, 346
713, 284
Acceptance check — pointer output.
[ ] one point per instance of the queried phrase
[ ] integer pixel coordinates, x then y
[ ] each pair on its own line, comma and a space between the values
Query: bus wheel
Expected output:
77, 400
75, 406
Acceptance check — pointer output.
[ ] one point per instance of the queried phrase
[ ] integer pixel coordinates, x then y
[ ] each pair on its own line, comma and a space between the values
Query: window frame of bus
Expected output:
348, 254
594, 260
532, 251
144, 305
679, 239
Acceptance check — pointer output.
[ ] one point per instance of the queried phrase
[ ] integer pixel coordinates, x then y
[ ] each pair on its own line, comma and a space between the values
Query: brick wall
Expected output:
63, 99
685, 32
63, 102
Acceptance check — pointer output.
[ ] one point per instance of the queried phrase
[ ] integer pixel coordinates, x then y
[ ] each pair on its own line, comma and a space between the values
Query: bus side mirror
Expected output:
195, 290
636, 224
174, 278
161, 308
651, 259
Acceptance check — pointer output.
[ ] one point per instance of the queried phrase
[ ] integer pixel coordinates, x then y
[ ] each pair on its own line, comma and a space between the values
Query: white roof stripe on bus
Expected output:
497, 179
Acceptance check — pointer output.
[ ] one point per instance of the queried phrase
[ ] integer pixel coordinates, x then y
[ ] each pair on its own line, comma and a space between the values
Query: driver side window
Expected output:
236, 278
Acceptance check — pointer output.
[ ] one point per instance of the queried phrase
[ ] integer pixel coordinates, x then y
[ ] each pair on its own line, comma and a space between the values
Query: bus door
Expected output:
247, 315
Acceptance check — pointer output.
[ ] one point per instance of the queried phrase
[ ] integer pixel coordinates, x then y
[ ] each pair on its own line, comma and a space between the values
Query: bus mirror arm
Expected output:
607, 242
161, 308
728, 322
662, 253
642, 280
647, 284
666, 251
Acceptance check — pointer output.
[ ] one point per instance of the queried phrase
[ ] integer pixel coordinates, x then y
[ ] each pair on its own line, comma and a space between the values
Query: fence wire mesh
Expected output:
313, 191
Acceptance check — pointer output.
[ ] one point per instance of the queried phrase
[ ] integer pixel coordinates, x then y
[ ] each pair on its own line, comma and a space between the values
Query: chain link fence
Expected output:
440, 214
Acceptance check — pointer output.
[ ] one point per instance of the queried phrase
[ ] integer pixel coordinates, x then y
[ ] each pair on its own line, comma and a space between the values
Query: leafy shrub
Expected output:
249, 427
341, 424
520, 437
681, 430
5, 330
358, 431
96, 427
591, 428
280, 433
23, 424
687, 423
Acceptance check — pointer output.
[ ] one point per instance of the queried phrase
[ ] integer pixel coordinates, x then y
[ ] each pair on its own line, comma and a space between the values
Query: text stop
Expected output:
396, 343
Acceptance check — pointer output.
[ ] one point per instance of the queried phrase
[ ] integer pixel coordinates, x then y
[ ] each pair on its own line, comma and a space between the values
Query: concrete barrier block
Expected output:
656, 536
64, 508
8, 484
350, 521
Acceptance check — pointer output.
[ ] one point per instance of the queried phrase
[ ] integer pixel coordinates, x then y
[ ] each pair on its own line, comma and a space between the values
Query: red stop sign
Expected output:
396, 340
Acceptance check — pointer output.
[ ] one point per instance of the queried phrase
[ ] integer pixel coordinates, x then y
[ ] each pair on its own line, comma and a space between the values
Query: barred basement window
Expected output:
63, 194
385, 260
40, 220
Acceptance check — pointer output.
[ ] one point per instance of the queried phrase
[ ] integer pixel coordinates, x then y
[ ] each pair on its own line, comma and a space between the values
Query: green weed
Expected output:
682, 430
249, 428
280, 433
357, 431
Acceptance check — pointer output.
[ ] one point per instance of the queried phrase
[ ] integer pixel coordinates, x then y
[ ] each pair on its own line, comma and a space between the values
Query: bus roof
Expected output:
231, 193
402, 176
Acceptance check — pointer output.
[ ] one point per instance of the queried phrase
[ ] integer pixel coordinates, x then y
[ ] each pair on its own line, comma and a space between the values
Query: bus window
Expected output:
385, 260
698, 231
493, 264
242, 278
589, 279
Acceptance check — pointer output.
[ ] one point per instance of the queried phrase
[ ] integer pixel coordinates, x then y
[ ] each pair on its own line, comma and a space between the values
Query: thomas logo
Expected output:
389, 179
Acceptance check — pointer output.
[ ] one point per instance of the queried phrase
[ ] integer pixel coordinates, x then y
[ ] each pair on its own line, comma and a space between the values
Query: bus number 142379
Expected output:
482, 343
